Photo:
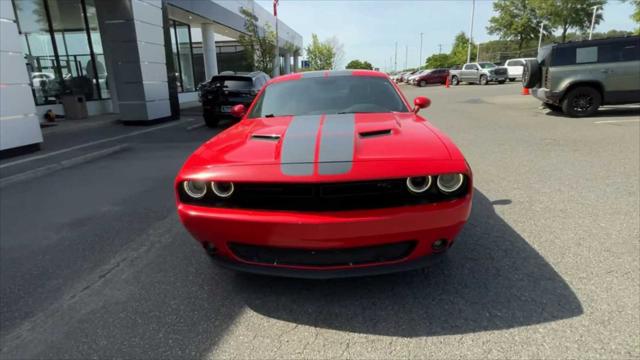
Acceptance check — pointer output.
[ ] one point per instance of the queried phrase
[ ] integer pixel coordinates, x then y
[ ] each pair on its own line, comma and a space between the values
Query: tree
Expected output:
568, 14
439, 61
338, 50
321, 55
459, 50
636, 13
259, 45
515, 20
357, 64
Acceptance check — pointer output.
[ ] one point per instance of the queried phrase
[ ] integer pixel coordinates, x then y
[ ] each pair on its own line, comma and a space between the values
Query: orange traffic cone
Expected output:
525, 91
446, 82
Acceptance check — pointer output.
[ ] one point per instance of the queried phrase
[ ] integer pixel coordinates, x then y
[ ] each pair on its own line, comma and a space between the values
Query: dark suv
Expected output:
223, 91
577, 77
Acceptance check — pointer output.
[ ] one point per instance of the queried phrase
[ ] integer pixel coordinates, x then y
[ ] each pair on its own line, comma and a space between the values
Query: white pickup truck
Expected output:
479, 73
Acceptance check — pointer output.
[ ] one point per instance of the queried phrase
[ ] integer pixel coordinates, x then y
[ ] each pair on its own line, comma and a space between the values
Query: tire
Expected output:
455, 81
483, 80
210, 120
501, 81
512, 79
422, 83
581, 101
531, 74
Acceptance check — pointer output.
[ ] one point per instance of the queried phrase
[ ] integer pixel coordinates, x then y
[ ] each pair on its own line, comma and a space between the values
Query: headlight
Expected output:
222, 189
195, 189
450, 182
418, 184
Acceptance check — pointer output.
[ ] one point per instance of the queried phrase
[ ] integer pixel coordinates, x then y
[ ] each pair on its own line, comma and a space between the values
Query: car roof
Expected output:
327, 73
252, 74
598, 41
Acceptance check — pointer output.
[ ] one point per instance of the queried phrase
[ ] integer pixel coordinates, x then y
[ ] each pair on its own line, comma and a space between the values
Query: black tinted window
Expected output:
563, 56
620, 51
330, 95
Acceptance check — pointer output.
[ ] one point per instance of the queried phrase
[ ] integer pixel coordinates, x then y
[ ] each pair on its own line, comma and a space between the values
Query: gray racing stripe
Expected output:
337, 144
312, 74
299, 145
340, 73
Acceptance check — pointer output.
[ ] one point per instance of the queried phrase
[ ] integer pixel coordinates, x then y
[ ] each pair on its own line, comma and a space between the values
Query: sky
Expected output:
369, 29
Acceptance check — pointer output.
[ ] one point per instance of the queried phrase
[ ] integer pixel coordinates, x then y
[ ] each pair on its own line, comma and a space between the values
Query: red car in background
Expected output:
436, 76
327, 174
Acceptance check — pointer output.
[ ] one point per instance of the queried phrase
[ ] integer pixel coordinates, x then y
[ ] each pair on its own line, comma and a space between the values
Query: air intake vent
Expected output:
268, 137
368, 134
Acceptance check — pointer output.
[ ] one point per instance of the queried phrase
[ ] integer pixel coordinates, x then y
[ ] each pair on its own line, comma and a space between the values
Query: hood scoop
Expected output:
374, 133
266, 137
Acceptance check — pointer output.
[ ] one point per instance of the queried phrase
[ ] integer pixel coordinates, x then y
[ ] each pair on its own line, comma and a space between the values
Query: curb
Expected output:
27, 175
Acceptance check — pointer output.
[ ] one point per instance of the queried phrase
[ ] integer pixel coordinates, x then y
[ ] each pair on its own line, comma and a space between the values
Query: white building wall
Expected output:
19, 124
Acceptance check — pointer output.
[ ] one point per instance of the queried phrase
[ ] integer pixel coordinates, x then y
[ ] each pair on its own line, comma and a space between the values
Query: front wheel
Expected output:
455, 81
581, 101
484, 80
422, 83
512, 79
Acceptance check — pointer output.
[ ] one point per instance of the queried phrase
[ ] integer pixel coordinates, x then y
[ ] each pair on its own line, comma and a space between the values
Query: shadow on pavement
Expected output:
606, 112
492, 279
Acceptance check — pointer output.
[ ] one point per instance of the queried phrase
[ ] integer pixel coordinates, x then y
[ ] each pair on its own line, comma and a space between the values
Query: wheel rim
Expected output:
483, 80
582, 102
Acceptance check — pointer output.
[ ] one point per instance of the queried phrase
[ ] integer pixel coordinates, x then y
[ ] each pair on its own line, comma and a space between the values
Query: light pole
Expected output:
473, 11
540, 37
593, 19
395, 63
406, 56
420, 58
478, 54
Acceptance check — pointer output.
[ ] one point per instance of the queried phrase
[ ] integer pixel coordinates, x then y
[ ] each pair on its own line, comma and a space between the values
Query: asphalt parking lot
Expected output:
94, 262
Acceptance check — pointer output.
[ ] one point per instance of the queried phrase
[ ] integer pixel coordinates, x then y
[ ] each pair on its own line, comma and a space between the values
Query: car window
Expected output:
587, 55
619, 51
515, 63
487, 65
238, 84
470, 67
563, 56
331, 95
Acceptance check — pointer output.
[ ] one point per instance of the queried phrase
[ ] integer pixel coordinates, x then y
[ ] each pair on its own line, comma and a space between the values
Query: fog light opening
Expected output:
222, 189
210, 249
439, 245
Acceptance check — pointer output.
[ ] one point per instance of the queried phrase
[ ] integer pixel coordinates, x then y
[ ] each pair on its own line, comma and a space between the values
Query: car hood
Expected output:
324, 139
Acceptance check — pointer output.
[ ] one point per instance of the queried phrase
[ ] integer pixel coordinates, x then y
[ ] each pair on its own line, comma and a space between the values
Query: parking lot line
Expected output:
192, 127
616, 121
22, 161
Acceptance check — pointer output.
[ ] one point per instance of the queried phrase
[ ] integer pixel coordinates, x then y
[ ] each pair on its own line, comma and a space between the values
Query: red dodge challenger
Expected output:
328, 174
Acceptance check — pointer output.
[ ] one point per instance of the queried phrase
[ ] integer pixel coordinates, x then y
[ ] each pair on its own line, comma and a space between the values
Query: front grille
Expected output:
500, 71
324, 196
331, 257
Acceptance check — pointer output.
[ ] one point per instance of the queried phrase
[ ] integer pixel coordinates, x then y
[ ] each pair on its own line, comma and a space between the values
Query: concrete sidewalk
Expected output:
71, 141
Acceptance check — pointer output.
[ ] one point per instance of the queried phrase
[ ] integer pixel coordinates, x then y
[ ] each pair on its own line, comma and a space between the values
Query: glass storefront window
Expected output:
182, 49
63, 63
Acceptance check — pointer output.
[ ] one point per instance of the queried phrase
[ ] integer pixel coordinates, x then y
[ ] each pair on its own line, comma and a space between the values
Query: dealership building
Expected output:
136, 58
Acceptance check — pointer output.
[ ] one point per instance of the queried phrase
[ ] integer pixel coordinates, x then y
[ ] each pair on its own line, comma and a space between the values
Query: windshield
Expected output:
487, 65
330, 95
233, 82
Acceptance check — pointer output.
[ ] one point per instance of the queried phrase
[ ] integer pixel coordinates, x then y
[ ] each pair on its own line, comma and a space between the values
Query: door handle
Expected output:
606, 71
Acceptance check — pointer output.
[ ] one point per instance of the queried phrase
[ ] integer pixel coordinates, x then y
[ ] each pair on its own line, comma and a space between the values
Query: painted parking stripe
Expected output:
616, 121
337, 144
299, 145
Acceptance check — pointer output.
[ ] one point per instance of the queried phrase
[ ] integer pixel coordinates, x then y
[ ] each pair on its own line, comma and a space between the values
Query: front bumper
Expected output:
423, 224
494, 77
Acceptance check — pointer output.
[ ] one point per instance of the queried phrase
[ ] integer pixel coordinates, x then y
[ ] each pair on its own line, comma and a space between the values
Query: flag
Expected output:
275, 8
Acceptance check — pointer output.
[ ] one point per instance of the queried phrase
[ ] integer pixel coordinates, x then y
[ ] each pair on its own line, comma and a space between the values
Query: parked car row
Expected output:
422, 77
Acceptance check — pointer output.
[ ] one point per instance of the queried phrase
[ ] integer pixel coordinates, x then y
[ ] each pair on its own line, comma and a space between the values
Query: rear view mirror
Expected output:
421, 102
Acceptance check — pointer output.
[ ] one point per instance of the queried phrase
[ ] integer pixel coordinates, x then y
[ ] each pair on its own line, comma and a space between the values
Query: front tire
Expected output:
501, 81
581, 101
512, 79
483, 80
422, 83
455, 81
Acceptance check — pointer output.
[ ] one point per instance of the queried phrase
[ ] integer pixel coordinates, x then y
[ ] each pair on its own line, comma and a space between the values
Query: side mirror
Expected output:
238, 111
421, 102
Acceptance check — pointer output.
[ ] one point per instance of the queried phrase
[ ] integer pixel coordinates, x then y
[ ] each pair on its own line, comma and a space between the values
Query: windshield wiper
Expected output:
274, 115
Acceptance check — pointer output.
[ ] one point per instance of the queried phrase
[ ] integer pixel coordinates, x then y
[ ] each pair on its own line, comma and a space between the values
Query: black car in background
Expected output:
223, 91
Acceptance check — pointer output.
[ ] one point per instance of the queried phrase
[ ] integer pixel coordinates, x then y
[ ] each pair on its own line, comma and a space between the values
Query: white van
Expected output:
514, 68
